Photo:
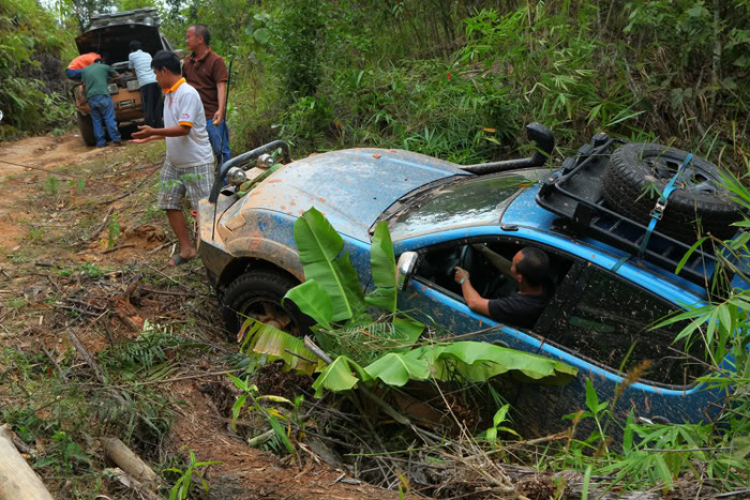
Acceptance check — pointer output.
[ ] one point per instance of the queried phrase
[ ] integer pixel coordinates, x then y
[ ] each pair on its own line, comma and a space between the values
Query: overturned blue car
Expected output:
612, 249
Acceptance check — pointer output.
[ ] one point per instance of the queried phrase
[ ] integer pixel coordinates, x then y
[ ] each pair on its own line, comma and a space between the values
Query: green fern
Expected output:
145, 352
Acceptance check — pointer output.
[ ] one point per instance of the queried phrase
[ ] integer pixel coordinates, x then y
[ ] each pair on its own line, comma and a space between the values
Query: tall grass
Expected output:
461, 81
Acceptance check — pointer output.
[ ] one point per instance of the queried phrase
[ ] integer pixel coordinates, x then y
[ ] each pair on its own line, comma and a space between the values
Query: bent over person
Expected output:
530, 270
96, 77
75, 68
188, 167
151, 98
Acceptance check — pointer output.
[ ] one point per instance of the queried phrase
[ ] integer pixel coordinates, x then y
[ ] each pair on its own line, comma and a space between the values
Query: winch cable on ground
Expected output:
49, 171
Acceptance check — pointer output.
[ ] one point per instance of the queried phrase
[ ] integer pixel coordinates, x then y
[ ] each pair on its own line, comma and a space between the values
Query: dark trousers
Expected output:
103, 115
153, 105
215, 133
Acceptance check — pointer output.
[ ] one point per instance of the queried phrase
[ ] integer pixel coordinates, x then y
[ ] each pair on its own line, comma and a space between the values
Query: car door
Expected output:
591, 322
434, 297
606, 330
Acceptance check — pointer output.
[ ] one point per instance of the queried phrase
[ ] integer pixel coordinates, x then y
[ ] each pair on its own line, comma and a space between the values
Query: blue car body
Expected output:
432, 204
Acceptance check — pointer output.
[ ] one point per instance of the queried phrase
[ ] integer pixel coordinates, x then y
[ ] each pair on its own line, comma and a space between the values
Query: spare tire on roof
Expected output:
698, 200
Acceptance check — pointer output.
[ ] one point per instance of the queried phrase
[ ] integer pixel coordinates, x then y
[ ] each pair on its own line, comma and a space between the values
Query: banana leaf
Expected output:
396, 370
407, 331
320, 248
474, 361
341, 375
479, 361
383, 263
313, 300
264, 339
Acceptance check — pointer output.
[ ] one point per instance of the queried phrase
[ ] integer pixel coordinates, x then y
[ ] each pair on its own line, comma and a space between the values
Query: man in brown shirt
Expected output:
205, 71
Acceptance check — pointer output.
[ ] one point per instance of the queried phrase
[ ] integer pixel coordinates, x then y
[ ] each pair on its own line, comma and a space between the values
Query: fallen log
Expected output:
17, 480
128, 461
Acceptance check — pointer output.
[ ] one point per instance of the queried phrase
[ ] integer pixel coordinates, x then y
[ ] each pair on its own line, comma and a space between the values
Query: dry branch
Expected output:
86, 356
120, 247
130, 482
136, 188
98, 229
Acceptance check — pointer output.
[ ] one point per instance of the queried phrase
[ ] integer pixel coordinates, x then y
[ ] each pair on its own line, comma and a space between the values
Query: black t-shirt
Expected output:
517, 309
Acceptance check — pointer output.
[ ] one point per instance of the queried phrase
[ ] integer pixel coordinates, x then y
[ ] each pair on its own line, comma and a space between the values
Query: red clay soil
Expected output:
246, 473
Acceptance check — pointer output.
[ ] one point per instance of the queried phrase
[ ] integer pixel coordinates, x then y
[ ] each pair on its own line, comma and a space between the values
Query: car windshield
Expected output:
476, 201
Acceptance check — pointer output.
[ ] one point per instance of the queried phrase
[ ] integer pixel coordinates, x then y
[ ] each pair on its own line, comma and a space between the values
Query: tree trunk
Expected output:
17, 480
716, 59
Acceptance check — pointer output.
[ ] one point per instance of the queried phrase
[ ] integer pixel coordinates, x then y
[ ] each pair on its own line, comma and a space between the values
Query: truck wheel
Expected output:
86, 128
635, 169
257, 294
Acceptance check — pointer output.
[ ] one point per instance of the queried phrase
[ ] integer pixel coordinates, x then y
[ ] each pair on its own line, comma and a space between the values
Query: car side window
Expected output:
437, 266
611, 316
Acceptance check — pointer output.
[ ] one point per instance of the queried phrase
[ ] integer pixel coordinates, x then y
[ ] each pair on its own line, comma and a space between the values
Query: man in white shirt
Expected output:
151, 97
189, 166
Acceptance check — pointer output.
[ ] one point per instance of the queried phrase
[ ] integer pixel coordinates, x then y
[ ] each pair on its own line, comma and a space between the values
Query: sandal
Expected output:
179, 260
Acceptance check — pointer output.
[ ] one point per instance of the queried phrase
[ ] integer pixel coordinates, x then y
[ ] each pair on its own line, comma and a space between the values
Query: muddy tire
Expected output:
86, 128
258, 294
633, 168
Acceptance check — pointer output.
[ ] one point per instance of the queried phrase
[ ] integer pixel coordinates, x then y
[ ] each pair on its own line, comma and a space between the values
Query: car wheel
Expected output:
126, 131
633, 168
86, 128
258, 294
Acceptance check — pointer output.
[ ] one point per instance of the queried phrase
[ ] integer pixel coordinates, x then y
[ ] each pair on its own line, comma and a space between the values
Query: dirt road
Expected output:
44, 152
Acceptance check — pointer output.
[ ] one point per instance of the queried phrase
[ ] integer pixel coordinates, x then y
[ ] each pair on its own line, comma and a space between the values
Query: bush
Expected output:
461, 81
32, 93
296, 31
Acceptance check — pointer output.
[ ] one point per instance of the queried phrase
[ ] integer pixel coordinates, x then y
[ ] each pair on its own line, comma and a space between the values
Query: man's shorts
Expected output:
176, 182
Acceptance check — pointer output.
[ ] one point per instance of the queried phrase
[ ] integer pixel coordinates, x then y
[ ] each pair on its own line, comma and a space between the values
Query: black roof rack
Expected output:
574, 193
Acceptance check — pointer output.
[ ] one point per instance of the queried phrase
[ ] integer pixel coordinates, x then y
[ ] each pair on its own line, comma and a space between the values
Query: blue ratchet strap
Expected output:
619, 263
661, 204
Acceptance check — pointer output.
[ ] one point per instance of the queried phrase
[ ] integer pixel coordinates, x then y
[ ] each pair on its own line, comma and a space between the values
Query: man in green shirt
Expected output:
95, 76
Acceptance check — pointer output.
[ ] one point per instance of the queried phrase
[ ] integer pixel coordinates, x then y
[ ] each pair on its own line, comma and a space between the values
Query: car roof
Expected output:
524, 211
112, 33
521, 215
147, 16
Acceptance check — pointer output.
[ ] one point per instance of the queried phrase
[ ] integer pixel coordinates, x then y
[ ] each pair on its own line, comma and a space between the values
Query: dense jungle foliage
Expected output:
454, 79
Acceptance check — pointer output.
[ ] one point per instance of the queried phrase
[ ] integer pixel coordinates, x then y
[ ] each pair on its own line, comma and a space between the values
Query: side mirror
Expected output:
407, 262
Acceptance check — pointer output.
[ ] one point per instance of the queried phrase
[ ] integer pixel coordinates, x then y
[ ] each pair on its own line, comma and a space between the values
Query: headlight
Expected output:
236, 176
148, 21
265, 161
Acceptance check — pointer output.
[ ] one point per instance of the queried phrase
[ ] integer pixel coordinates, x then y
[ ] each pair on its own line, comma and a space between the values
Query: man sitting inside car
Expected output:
530, 270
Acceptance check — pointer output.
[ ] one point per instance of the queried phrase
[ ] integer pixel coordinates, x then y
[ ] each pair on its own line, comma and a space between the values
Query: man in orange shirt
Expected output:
76, 65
